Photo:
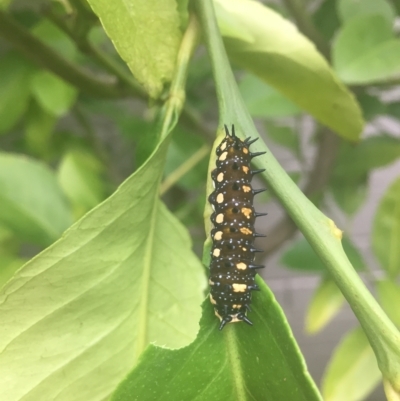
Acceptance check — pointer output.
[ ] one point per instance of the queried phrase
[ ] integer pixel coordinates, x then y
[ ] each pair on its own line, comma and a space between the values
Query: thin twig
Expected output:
184, 168
46, 57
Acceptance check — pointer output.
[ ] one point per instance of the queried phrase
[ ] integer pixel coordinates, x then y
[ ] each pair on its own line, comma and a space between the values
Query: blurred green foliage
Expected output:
82, 87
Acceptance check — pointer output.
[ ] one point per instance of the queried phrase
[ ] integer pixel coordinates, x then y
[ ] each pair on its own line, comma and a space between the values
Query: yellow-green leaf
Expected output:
146, 35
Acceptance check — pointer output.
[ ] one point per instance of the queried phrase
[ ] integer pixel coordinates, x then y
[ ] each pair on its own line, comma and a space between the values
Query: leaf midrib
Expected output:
144, 298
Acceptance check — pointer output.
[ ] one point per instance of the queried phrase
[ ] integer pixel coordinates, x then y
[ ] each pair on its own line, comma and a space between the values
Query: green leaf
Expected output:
39, 125
289, 62
365, 51
55, 38
386, 230
15, 75
52, 93
325, 303
389, 298
146, 35
9, 264
284, 136
79, 175
349, 194
4, 4
180, 150
326, 19
240, 363
371, 106
348, 9
355, 162
75, 318
352, 372
301, 256
264, 101
32, 204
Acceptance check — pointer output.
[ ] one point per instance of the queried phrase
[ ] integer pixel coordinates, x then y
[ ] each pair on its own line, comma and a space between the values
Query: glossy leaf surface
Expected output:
274, 50
239, 363
76, 317
151, 25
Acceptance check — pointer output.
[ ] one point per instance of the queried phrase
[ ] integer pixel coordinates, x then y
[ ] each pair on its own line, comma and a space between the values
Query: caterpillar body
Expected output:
232, 271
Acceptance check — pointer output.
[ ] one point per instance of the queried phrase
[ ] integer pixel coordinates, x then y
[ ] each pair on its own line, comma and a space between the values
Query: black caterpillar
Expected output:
232, 272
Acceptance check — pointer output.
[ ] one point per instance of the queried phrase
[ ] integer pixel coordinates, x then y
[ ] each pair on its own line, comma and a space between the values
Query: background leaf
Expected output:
352, 372
76, 317
365, 51
52, 93
151, 68
286, 60
79, 175
239, 363
386, 230
302, 256
389, 297
15, 75
348, 9
326, 302
32, 204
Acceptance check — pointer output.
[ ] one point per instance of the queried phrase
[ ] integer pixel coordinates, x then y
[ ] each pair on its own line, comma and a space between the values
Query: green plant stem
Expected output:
44, 56
319, 230
176, 96
184, 168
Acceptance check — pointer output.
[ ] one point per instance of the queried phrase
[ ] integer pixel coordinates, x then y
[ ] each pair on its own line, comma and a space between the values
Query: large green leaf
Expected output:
352, 372
146, 35
389, 297
75, 319
325, 304
264, 101
273, 49
32, 204
365, 51
386, 230
15, 75
261, 362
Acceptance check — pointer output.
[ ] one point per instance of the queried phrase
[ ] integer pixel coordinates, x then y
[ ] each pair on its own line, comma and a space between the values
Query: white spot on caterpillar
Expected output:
220, 177
246, 188
246, 231
220, 198
245, 169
